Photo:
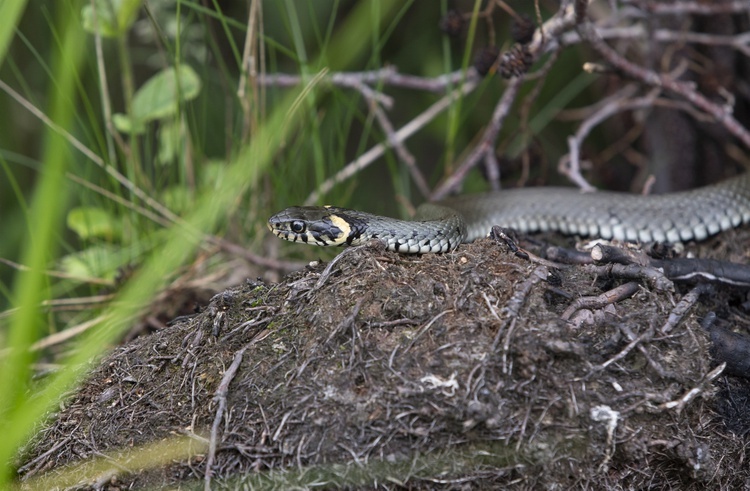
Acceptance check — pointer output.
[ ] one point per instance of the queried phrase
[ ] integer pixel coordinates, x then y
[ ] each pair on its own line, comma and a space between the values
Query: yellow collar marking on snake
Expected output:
342, 225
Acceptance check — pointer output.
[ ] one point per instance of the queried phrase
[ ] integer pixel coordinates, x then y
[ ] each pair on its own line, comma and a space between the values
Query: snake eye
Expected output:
297, 226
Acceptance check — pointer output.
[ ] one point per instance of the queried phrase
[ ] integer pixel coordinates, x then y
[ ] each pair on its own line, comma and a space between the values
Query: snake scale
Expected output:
442, 226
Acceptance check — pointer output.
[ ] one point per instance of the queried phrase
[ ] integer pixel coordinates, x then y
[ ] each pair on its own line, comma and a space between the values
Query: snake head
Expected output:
313, 225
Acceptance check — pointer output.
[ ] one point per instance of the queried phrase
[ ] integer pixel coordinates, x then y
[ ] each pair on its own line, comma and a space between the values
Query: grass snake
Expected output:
442, 226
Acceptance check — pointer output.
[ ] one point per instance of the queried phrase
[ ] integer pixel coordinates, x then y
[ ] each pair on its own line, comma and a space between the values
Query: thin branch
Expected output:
684, 306
403, 153
740, 42
644, 337
56, 274
486, 143
687, 7
221, 398
243, 252
614, 295
686, 90
679, 404
385, 76
570, 166
119, 199
401, 135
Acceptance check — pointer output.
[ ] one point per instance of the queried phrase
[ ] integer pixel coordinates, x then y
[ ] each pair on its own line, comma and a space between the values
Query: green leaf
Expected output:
159, 98
161, 95
113, 17
90, 222
125, 125
170, 139
99, 261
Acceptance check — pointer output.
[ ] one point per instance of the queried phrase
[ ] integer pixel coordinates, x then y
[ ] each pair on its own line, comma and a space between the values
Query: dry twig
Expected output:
614, 295
221, 398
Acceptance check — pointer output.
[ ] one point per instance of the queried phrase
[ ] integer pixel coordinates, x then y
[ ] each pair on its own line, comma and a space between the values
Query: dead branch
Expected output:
722, 115
221, 398
679, 404
684, 305
614, 295
643, 337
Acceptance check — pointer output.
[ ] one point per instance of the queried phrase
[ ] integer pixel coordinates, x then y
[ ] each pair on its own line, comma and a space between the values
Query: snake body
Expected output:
441, 227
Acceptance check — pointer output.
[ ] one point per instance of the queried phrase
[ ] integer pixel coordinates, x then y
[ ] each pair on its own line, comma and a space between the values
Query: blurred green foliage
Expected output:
181, 139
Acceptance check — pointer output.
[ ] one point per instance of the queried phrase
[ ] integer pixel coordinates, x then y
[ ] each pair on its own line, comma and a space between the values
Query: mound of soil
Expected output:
468, 370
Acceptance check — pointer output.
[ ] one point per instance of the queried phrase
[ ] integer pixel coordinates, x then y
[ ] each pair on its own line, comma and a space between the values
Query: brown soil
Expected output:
453, 371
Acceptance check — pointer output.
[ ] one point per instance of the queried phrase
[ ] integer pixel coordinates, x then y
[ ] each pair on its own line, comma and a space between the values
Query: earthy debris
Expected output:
427, 372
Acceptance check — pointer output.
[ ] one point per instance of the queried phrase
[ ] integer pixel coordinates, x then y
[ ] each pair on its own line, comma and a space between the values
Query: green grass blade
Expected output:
45, 214
10, 12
